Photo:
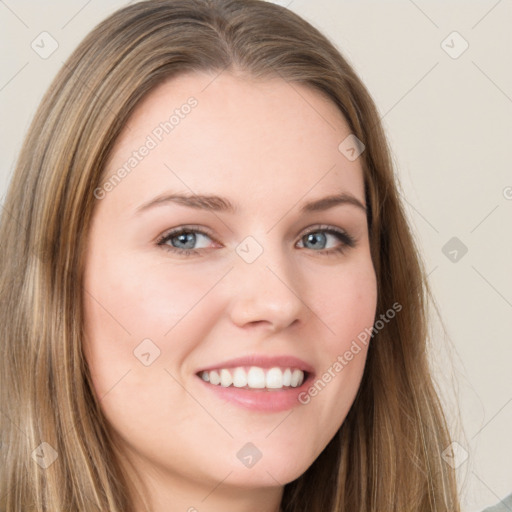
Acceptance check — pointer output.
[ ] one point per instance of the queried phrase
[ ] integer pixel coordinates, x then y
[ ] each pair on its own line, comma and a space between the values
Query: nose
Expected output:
266, 292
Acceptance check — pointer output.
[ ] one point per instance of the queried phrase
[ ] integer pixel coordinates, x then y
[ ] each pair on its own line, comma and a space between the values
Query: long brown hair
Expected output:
387, 454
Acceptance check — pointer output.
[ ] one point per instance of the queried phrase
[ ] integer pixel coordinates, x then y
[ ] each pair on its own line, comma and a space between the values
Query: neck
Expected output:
172, 493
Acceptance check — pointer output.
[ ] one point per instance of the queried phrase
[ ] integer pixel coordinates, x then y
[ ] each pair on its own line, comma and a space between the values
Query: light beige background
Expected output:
449, 122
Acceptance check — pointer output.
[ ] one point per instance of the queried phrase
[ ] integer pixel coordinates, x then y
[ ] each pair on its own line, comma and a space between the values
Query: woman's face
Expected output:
261, 273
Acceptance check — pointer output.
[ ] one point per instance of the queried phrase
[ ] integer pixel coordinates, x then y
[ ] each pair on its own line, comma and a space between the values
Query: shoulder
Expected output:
505, 505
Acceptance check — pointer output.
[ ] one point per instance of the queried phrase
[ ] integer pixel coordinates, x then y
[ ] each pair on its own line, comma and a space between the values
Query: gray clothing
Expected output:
505, 505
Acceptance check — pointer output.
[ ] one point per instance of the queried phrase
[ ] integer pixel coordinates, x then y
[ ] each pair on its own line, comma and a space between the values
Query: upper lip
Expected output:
263, 361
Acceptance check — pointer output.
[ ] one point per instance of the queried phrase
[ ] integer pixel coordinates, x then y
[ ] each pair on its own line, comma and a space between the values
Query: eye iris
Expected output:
315, 237
182, 237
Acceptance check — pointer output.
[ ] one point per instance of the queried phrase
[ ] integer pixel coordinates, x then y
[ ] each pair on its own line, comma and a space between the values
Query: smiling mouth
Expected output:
255, 378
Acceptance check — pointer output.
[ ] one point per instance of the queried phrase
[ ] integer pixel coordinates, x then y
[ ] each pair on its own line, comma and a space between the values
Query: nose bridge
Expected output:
266, 284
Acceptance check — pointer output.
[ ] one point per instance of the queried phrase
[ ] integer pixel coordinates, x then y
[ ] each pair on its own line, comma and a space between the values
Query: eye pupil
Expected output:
315, 237
182, 237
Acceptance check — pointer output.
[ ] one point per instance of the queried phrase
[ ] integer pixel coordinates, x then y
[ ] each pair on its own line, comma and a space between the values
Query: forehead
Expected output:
251, 140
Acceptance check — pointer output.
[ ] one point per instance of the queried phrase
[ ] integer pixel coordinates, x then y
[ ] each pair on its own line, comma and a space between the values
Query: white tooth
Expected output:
214, 377
256, 377
274, 378
296, 376
225, 378
239, 378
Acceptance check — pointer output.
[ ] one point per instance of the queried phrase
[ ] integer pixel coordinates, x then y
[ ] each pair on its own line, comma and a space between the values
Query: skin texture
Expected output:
268, 147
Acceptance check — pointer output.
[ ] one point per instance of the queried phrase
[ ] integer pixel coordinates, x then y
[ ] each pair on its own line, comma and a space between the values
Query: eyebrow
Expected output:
221, 204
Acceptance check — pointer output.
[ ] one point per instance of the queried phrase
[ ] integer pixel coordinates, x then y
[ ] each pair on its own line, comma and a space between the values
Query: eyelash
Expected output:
347, 240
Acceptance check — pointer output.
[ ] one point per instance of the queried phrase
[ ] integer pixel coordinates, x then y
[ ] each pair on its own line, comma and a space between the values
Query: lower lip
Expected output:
262, 400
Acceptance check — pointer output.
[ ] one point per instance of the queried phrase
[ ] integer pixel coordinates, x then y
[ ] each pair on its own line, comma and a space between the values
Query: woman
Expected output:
254, 372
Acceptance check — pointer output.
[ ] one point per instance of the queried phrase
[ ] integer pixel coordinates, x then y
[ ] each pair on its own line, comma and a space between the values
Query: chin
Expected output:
271, 474
266, 468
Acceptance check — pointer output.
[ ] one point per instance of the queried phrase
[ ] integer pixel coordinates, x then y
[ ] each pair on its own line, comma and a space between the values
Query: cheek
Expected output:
145, 300
347, 302
133, 308
130, 299
346, 307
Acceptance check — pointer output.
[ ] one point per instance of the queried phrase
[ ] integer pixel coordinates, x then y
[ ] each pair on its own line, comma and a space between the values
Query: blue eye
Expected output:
319, 237
183, 240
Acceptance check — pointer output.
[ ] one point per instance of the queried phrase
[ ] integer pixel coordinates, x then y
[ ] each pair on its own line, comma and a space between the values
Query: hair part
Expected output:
387, 453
